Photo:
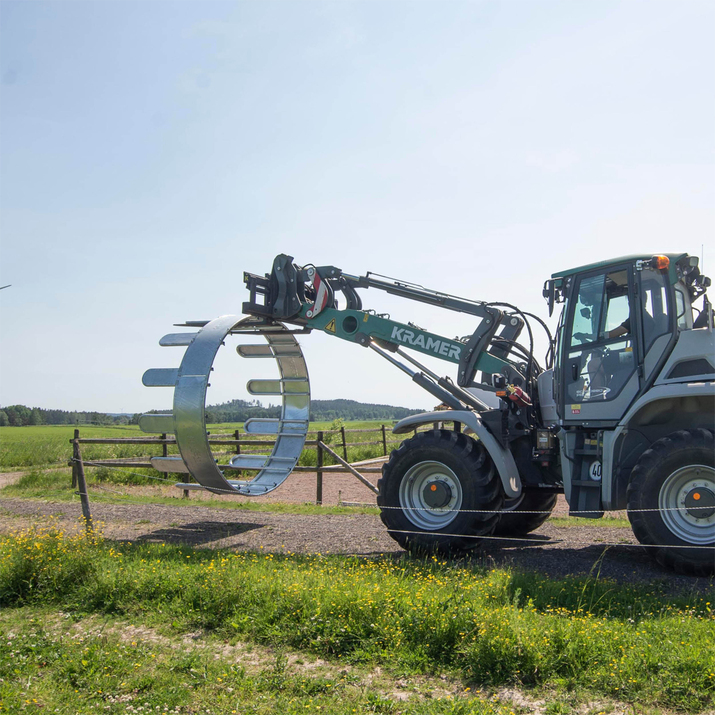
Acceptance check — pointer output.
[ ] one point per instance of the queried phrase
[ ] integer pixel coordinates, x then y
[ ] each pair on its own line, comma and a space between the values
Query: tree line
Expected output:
233, 411
320, 410
20, 416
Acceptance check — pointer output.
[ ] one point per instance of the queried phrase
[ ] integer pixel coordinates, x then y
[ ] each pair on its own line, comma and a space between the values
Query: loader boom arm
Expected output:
306, 296
361, 327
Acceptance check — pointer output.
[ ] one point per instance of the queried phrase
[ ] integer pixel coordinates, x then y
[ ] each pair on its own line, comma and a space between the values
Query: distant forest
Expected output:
234, 411
320, 410
19, 415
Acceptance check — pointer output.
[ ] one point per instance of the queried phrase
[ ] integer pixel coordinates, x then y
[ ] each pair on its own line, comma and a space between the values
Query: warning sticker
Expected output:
575, 409
331, 326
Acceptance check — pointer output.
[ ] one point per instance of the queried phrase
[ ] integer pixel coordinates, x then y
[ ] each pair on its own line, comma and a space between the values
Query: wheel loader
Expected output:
620, 415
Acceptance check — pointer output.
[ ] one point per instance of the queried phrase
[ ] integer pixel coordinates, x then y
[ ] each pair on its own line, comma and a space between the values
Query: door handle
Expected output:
575, 370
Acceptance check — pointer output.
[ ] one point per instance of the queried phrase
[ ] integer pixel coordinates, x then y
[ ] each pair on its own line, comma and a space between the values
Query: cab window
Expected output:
600, 358
654, 298
602, 309
681, 309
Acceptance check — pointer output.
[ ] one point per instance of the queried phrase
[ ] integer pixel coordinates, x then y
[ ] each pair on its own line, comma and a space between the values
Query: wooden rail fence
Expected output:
323, 442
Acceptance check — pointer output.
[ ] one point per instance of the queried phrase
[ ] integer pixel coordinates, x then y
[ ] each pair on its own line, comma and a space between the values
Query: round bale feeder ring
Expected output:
188, 418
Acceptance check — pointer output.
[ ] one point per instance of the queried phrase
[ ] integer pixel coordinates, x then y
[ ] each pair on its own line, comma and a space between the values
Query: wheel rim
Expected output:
685, 500
430, 495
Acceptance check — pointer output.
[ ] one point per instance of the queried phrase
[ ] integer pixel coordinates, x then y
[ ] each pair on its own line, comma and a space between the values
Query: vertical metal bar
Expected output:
82, 485
384, 441
345, 445
238, 446
319, 485
164, 446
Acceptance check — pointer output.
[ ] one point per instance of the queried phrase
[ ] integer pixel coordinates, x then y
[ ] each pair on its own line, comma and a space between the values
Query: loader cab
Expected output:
620, 319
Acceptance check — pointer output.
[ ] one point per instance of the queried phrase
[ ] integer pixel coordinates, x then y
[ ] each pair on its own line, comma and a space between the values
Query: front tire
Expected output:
675, 480
439, 491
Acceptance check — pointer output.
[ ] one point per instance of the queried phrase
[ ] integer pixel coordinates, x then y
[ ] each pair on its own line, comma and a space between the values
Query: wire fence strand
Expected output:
233, 492
486, 537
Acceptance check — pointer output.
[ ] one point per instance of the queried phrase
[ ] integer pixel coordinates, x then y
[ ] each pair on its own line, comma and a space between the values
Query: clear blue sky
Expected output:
153, 151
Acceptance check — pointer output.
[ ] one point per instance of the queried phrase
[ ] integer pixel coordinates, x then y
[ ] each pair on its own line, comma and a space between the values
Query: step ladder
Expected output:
187, 421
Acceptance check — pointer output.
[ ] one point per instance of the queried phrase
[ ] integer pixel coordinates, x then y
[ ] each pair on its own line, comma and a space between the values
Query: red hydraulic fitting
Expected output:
516, 394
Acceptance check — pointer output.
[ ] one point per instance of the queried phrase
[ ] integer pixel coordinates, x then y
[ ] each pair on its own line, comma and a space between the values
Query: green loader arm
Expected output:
357, 326
306, 296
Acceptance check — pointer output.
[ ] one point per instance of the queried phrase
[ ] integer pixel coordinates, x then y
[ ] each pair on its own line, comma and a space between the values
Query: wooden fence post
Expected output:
82, 485
384, 441
345, 445
319, 485
75, 458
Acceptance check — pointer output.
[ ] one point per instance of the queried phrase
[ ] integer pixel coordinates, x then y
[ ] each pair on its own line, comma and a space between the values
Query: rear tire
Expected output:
517, 523
431, 488
675, 479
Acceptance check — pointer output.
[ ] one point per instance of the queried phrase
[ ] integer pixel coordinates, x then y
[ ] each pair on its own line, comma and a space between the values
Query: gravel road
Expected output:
553, 551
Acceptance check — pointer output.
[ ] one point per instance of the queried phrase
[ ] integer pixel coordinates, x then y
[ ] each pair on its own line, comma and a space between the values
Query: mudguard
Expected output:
502, 458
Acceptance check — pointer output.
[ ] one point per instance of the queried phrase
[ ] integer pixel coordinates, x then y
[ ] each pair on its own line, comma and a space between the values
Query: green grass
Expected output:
96, 669
22, 447
55, 485
26, 447
586, 637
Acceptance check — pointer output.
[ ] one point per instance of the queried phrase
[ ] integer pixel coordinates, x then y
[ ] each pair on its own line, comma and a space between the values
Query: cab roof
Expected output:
674, 258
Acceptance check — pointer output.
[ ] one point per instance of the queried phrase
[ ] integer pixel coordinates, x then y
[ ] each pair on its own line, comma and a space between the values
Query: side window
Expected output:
682, 307
654, 305
617, 314
587, 314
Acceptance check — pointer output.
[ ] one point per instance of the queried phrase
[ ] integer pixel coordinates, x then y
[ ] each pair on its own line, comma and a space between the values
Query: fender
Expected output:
502, 458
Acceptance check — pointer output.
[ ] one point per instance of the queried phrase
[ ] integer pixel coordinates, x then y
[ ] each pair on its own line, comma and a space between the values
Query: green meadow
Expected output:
49, 445
90, 625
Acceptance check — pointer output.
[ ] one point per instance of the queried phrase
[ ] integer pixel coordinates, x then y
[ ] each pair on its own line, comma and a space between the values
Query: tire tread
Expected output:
473, 455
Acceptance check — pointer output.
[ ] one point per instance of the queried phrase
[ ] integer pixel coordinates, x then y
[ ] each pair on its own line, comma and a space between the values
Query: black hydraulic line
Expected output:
550, 337
542, 323
530, 362
517, 348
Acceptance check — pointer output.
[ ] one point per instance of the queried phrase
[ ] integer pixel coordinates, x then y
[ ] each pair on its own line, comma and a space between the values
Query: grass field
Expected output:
26, 447
97, 626
88, 625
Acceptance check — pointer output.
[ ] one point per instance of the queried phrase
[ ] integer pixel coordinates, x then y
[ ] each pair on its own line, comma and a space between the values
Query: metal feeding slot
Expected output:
188, 418
157, 424
267, 425
251, 489
264, 387
286, 386
160, 377
287, 351
255, 351
169, 464
266, 351
177, 340
261, 461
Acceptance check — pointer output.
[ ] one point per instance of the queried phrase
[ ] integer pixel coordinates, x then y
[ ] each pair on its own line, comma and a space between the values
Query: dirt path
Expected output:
7, 478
